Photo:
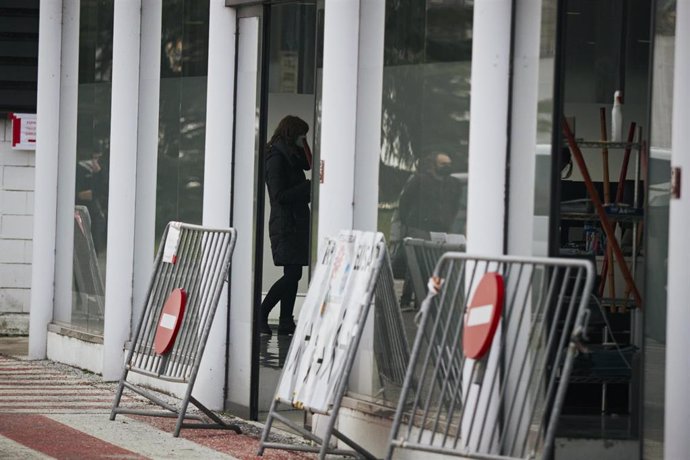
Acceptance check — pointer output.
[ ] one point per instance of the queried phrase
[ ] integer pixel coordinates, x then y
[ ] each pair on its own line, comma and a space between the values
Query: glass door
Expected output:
604, 84
658, 200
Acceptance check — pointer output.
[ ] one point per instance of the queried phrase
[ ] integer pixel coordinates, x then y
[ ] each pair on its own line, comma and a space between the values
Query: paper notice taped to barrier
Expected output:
171, 244
331, 317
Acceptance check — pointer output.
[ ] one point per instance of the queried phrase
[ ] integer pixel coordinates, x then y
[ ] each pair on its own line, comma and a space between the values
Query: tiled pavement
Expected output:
49, 410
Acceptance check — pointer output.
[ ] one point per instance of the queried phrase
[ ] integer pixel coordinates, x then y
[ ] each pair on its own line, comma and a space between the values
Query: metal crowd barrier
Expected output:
422, 256
503, 404
196, 260
351, 270
391, 347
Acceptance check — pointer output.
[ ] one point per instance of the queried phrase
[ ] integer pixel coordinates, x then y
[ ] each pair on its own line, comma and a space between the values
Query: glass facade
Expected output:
423, 158
426, 104
182, 113
606, 53
545, 127
93, 158
658, 201
424, 128
604, 49
293, 48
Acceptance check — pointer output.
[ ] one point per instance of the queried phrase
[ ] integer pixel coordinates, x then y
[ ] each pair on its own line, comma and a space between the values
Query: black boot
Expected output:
286, 326
263, 321
264, 328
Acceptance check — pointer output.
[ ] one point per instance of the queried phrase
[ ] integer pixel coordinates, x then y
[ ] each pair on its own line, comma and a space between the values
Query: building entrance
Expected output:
278, 75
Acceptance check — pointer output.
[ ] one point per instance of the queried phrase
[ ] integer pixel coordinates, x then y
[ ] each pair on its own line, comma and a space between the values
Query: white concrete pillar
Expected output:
45, 204
218, 183
367, 143
240, 337
523, 129
486, 208
677, 415
488, 126
522, 161
372, 17
339, 116
147, 152
67, 160
121, 201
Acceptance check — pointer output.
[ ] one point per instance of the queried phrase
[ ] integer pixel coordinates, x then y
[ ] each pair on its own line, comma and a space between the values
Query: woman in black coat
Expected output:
289, 191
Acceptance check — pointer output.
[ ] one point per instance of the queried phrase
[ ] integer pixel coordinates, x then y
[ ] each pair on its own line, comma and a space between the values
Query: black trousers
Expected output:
284, 291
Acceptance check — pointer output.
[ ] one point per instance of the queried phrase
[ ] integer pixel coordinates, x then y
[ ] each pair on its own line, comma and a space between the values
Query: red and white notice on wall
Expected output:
23, 131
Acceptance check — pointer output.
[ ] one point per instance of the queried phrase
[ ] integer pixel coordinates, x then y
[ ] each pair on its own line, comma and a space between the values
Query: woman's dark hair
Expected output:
289, 129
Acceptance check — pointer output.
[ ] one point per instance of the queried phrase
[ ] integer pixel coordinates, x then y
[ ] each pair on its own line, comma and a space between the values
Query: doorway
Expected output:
609, 90
278, 74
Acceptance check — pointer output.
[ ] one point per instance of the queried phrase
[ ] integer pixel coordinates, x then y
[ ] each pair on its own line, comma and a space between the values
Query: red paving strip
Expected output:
241, 446
58, 440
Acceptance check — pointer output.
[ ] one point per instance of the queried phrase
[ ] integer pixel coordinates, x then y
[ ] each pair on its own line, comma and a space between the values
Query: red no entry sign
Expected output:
483, 314
170, 321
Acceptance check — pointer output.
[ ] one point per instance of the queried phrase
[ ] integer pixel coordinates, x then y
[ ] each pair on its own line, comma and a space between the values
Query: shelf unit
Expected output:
611, 362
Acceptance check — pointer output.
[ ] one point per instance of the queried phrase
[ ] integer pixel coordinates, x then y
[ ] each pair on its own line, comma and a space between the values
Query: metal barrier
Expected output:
391, 347
351, 269
422, 256
491, 361
189, 272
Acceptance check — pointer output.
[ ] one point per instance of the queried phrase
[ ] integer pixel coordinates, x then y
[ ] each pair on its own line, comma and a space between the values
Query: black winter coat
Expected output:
289, 192
430, 203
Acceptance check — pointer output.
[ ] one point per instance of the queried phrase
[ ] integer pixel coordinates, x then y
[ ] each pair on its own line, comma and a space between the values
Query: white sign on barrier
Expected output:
330, 316
171, 243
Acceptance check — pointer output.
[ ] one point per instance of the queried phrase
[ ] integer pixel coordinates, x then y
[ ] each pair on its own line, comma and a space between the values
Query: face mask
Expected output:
443, 171
300, 141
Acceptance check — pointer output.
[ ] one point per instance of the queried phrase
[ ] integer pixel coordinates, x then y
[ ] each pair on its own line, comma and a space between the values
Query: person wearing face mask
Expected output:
289, 191
429, 202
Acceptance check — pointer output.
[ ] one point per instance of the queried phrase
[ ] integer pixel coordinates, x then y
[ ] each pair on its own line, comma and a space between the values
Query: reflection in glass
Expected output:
316, 145
274, 350
93, 152
292, 51
424, 126
426, 100
656, 225
542, 173
605, 50
182, 113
